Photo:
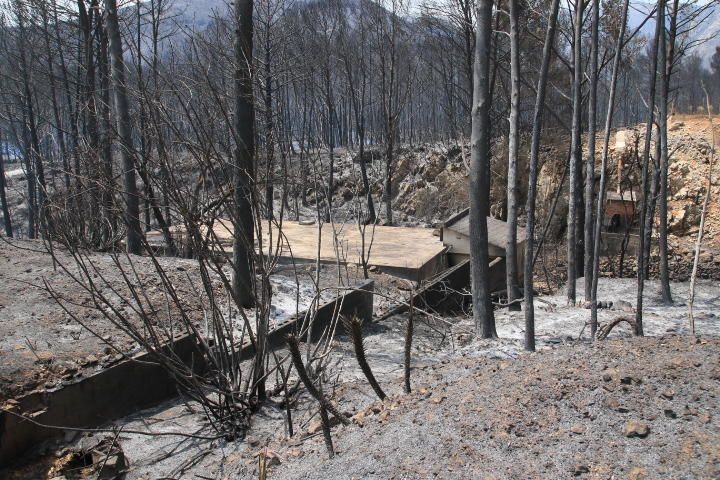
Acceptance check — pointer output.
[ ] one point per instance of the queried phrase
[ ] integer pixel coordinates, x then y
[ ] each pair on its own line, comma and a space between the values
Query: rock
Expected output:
637, 473
578, 429
624, 306
43, 357
433, 168
687, 216
89, 361
580, 469
272, 458
437, 398
315, 426
636, 428
681, 194
295, 452
347, 194
359, 419
675, 126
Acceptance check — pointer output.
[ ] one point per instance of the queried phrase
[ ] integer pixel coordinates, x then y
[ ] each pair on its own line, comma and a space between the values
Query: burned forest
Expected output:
349, 239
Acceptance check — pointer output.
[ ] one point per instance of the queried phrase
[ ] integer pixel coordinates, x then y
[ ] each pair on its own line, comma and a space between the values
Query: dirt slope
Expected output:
641, 408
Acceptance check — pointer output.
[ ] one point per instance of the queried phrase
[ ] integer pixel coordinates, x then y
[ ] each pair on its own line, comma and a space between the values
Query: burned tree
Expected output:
124, 127
533, 177
480, 177
512, 180
244, 157
645, 217
574, 201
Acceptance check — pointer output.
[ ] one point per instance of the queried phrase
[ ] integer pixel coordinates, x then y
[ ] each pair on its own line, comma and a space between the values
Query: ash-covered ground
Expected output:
42, 344
621, 408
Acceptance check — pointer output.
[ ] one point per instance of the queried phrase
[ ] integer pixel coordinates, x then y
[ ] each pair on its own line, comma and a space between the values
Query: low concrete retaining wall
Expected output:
446, 292
132, 385
612, 244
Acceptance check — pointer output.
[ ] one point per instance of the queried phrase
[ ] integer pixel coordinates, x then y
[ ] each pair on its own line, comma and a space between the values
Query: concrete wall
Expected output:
130, 385
459, 251
612, 244
448, 293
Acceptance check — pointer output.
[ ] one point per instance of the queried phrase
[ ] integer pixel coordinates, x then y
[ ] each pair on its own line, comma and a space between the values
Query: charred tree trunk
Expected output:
533, 176
480, 176
72, 112
30, 177
244, 126
53, 97
331, 143
269, 137
645, 167
389, 158
357, 103
603, 169
7, 220
91, 131
575, 158
512, 180
35, 174
590, 161
122, 114
107, 130
668, 57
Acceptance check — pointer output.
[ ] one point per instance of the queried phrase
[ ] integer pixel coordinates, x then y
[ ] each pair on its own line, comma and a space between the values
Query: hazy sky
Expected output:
198, 8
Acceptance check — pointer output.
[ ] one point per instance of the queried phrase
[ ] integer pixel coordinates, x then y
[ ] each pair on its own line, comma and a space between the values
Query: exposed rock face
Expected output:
430, 183
684, 218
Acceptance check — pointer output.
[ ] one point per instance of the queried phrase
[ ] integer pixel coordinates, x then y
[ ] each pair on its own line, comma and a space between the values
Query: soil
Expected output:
622, 408
641, 408
42, 345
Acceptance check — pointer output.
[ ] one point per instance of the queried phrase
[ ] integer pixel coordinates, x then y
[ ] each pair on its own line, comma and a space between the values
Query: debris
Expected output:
624, 306
437, 398
637, 473
578, 429
104, 459
89, 361
580, 469
43, 357
636, 428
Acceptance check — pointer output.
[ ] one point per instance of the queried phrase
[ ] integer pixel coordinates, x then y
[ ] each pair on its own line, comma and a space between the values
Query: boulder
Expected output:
432, 167
636, 428
686, 217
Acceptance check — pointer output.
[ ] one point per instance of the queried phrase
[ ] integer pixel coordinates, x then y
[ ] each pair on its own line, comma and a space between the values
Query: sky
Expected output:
202, 8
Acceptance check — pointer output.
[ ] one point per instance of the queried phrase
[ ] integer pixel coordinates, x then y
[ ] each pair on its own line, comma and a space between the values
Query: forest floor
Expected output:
622, 408
42, 345
640, 408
